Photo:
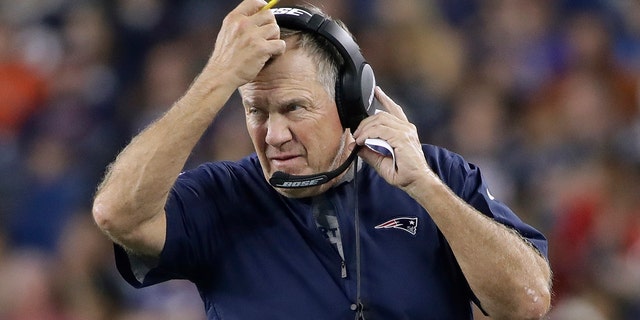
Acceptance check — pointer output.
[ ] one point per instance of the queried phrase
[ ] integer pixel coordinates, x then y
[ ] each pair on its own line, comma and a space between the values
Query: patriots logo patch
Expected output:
408, 224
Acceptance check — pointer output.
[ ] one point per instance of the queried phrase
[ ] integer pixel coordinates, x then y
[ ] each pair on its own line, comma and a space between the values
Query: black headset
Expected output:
354, 87
356, 81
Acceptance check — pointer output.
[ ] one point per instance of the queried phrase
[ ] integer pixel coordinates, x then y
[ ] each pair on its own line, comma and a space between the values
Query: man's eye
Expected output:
254, 111
294, 107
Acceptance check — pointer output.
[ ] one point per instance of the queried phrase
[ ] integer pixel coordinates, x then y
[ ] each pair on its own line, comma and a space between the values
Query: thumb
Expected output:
371, 157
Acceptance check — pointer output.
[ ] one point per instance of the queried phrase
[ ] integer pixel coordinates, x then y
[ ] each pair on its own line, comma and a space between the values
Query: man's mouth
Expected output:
283, 159
286, 163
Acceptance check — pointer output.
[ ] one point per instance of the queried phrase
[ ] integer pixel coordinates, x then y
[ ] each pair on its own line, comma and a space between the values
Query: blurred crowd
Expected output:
542, 94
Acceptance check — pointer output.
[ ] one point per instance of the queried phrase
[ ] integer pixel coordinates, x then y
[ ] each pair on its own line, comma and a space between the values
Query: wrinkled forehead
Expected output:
294, 68
292, 82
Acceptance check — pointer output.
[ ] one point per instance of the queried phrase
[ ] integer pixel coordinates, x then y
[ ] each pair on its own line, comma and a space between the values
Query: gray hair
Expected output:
321, 51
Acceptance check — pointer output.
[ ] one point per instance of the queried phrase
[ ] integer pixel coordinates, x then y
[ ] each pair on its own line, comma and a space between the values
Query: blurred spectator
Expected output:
54, 180
419, 60
83, 279
628, 38
478, 126
22, 89
512, 45
51, 189
26, 292
590, 49
231, 140
596, 233
168, 70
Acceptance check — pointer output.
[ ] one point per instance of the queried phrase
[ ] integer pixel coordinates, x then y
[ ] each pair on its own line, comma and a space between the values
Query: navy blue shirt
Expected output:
255, 254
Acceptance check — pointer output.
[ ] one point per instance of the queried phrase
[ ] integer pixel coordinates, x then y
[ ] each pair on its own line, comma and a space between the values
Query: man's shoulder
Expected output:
245, 169
248, 164
435, 150
440, 155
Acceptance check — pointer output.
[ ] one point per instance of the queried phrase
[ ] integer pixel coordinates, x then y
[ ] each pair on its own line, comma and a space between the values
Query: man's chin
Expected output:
302, 192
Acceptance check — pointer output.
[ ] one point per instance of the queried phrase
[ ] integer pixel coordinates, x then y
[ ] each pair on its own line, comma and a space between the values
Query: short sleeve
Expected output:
466, 181
192, 234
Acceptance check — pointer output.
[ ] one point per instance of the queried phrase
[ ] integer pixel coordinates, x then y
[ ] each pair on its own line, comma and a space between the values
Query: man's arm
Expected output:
507, 275
129, 203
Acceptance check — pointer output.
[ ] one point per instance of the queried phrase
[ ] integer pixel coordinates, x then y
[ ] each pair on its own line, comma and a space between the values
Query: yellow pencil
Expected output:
269, 5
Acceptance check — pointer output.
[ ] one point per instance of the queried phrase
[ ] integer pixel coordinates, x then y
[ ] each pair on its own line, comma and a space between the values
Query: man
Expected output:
415, 235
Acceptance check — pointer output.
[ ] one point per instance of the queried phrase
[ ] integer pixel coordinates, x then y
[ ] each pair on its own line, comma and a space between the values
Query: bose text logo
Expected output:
290, 11
300, 184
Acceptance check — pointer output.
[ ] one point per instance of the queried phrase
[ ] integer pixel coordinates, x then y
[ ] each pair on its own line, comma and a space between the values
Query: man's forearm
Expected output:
137, 184
509, 277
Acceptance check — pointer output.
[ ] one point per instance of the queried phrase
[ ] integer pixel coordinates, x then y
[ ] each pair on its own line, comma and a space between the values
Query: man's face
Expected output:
293, 121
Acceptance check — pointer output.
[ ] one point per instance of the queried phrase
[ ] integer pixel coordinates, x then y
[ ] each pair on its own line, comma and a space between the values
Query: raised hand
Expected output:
248, 38
393, 127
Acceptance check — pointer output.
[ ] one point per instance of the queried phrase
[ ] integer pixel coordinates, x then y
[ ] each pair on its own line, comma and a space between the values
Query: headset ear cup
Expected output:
340, 103
350, 103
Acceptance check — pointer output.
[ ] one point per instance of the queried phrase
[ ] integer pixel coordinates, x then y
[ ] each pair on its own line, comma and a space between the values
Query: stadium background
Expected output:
542, 94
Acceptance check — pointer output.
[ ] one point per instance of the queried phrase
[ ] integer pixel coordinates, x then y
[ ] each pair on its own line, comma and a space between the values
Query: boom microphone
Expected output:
284, 180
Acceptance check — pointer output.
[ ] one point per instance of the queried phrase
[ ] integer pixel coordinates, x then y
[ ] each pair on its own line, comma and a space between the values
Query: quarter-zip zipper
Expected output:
356, 222
343, 269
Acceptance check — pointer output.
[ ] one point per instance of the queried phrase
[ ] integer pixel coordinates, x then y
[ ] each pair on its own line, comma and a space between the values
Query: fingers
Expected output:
249, 7
393, 119
384, 126
271, 33
250, 11
276, 47
264, 17
393, 127
392, 107
269, 5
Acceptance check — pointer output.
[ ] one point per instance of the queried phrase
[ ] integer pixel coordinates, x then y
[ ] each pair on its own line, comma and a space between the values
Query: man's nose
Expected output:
278, 131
